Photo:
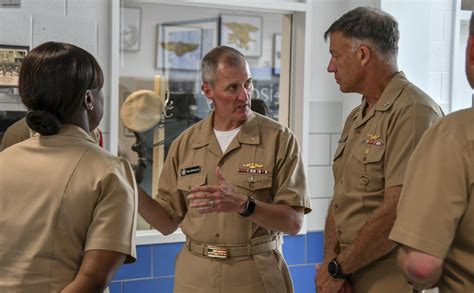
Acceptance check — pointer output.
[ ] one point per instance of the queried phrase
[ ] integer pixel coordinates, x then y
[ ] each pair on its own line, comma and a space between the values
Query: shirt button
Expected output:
341, 181
339, 232
217, 235
253, 138
336, 205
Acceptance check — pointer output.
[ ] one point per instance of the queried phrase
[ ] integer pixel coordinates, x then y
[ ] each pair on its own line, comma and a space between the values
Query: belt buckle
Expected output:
216, 251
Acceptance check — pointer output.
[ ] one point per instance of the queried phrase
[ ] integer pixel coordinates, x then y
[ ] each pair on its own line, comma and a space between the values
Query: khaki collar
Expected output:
248, 134
75, 131
390, 94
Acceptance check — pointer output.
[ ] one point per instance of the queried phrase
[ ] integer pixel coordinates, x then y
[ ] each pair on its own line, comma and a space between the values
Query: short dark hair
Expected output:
369, 24
54, 79
220, 54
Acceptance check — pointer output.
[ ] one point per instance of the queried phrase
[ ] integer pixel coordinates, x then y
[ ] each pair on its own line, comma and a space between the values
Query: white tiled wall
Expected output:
441, 28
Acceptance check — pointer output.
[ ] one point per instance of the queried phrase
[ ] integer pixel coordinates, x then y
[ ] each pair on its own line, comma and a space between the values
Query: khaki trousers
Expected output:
199, 274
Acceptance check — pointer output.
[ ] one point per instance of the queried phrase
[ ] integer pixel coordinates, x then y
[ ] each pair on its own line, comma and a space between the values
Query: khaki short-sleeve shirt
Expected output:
264, 161
436, 209
60, 196
19, 131
262, 145
373, 152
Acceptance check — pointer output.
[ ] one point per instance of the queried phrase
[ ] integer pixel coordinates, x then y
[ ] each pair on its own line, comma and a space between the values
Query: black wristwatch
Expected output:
249, 207
334, 269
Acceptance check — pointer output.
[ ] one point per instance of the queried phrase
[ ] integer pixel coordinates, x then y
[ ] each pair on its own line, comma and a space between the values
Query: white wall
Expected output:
83, 23
141, 64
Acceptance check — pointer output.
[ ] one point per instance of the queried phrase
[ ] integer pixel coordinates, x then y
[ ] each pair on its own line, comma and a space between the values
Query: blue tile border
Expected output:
303, 278
294, 249
141, 268
154, 285
115, 287
164, 258
314, 247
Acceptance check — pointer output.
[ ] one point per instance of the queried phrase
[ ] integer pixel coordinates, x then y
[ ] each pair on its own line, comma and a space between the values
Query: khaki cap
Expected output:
141, 110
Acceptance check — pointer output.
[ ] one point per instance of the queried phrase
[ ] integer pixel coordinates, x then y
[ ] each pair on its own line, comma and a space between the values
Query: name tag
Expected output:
190, 170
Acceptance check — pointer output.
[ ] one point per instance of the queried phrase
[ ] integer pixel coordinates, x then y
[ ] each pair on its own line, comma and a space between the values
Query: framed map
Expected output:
243, 33
178, 47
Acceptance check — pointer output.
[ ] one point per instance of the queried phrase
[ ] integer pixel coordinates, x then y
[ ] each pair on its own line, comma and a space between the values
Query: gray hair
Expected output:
221, 54
371, 25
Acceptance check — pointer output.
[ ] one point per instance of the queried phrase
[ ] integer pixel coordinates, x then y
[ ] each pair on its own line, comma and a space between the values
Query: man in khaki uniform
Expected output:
435, 216
234, 181
373, 151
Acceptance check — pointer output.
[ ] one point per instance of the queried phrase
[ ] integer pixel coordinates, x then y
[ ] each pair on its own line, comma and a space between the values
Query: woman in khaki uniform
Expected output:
435, 216
67, 207
234, 181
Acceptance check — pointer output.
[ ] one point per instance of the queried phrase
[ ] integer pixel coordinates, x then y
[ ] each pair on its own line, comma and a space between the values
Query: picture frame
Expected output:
178, 47
243, 33
11, 58
276, 54
130, 28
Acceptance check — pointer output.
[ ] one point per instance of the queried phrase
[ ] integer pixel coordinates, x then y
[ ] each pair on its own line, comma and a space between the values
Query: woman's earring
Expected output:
90, 107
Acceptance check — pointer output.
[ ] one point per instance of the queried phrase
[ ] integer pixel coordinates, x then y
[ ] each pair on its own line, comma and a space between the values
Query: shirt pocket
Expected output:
257, 185
185, 184
370, 165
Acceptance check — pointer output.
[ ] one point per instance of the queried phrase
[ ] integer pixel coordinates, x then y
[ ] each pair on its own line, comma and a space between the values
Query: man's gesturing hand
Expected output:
217, 198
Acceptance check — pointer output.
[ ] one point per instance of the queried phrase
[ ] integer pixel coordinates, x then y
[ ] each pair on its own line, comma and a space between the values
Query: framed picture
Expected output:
178, 47
276, 54
130, 28
243, 33
11, 58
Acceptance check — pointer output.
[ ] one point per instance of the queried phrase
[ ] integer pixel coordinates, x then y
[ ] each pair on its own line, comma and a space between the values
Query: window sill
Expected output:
148, 237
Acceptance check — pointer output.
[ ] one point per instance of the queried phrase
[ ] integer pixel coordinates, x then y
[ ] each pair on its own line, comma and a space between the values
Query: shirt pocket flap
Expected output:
340, 147
374, 154
186, 183
254, 181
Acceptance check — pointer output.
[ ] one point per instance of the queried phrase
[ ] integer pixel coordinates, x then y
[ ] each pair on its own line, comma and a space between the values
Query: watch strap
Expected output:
249, 207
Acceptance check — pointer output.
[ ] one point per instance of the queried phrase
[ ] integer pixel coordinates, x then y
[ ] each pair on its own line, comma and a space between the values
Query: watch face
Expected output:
333, 268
